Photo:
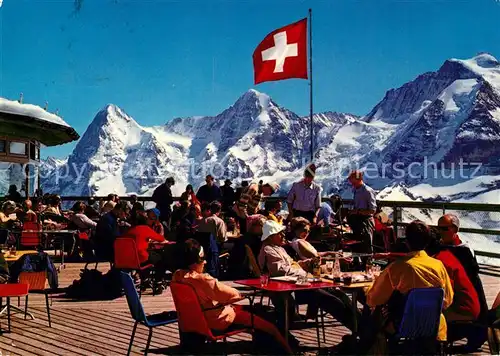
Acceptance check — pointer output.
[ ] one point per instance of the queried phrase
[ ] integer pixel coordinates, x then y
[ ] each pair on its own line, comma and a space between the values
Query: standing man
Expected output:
361, 216
209, 192
162, 196
250, 200
304, 199
227, 195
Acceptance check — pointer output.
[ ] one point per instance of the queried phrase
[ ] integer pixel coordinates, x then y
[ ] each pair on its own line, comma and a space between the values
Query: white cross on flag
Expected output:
282, 54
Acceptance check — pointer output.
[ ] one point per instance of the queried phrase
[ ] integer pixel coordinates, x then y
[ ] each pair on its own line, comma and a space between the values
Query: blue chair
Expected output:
137, 312
421, 316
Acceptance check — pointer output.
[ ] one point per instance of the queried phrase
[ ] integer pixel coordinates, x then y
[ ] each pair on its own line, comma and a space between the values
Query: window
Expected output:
3, 145
38, 153
33, 150
18, 148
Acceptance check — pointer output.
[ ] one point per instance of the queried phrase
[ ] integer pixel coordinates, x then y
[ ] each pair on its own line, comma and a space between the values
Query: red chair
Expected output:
37, 282
127, 258
191, 317
30, 237
11, 290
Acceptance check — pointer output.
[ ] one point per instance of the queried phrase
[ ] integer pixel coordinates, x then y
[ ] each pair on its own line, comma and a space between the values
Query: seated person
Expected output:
465, 306
416, 270
299, 231
212, 223
211, 293
7, 217
272, 209
53, 206
81, 221
449, 226
91, 209
326, 212
154, 221
28, 214
159, 258
108, 229
239, 265
274, 259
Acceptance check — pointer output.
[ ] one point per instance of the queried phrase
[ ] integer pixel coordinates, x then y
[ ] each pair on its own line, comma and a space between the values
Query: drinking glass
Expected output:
302, 280
329, 267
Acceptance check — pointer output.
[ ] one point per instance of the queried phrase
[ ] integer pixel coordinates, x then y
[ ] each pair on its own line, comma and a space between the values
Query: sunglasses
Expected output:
443, 228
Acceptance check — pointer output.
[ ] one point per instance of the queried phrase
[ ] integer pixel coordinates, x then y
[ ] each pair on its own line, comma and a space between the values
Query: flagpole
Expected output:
311, 86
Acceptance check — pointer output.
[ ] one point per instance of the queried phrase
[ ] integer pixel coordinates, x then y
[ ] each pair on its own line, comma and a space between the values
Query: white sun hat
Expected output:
270, 228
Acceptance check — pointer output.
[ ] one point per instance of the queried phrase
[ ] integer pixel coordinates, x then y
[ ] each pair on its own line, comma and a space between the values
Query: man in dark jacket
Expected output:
107, 230
209, 192
162, 196
227, 196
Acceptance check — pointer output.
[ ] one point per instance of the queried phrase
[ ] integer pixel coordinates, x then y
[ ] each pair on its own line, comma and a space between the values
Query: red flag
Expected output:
282, 54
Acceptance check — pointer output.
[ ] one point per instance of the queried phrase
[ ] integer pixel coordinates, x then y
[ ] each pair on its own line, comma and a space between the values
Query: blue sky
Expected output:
160, 59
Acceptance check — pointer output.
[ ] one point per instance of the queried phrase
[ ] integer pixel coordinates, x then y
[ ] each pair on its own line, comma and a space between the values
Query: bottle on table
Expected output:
336, 268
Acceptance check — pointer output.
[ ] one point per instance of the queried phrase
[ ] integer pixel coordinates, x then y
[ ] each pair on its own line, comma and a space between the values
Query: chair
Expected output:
128, 258
191, 315
29, 235
11, 290
137, 312
421, 316
36, 282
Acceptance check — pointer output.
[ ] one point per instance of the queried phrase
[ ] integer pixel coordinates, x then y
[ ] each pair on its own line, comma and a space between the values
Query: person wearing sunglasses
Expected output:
300, 228
274, 259
216, 298
448, 226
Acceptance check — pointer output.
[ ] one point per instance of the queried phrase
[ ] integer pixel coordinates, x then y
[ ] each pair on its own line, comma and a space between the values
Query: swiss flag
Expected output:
282, 54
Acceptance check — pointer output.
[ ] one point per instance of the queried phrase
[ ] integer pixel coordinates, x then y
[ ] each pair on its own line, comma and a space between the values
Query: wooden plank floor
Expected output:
104, 327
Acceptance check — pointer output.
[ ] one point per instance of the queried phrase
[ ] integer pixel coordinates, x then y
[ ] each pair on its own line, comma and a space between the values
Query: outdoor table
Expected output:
282, 287
56, 233
13, 258
353, 289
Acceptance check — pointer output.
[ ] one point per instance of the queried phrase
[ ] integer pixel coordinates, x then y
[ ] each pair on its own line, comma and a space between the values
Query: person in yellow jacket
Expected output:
416, 270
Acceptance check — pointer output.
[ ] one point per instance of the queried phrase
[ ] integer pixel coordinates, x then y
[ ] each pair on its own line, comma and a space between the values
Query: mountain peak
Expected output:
485, 60
112, 114
253, 97
484, 66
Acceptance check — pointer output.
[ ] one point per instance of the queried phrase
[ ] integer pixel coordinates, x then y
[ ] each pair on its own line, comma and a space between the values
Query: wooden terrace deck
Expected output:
104, 327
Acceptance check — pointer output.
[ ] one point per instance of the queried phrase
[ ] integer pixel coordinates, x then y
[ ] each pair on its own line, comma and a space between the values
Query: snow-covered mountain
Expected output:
254, 137
434, 138
441, 128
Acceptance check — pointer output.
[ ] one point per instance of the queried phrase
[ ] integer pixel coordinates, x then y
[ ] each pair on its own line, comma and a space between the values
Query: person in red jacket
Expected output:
160, 258
465, 306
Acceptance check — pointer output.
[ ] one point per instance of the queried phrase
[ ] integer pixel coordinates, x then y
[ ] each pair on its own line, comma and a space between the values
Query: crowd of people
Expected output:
215, 219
